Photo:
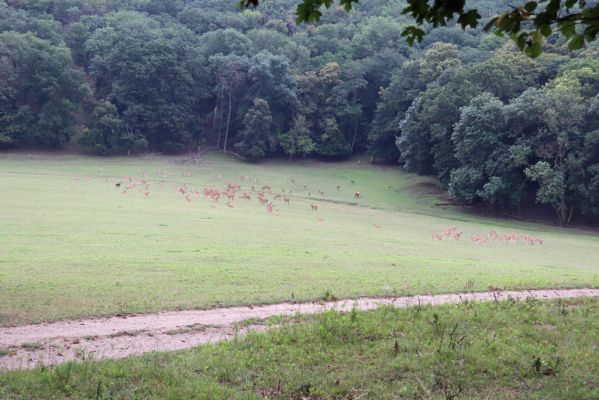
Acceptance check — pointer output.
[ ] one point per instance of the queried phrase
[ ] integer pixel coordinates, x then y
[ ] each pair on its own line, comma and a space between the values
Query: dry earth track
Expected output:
30, 346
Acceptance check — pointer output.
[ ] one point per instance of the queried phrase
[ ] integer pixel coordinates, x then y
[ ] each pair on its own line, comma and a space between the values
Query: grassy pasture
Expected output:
508, 350
72, 245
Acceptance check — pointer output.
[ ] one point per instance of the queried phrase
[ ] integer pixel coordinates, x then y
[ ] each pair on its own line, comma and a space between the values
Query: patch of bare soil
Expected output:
428, 188
121, 336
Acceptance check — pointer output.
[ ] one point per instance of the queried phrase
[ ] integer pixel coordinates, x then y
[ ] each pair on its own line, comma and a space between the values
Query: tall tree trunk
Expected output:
218, 114
353, 141
570, 215
228, 121
214, 125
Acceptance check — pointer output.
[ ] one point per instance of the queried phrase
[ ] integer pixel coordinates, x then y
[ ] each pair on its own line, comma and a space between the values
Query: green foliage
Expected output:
107, 132
153, 73
297, 142
39, 93
256, 139
331, 141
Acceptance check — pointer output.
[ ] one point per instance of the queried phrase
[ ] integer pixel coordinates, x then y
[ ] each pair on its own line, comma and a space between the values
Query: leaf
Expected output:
576, 43
490, 24
469, 18
534, 50
537, 37
530, 6
412, 33
520, 40
545, 29
567, 28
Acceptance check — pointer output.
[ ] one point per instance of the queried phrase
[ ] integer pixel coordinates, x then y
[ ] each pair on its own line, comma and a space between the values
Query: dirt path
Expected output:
122, 336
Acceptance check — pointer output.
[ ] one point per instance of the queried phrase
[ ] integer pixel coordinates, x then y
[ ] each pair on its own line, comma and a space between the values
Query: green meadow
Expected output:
73, 245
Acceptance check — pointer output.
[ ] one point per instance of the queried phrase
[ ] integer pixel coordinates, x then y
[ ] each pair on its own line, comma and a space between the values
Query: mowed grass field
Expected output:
72, 245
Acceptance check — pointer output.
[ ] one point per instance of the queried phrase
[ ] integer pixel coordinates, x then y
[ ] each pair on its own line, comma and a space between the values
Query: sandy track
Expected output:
122, 336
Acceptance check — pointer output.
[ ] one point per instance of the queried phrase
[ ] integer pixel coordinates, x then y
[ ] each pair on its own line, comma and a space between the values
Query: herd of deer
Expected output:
452, 233
142, 186
231, 191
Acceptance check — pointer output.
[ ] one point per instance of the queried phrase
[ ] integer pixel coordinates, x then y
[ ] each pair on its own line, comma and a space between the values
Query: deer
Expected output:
357, 195
118, 185
314, 206
286, 199
510, 238
338, 187
493, 236
352, 182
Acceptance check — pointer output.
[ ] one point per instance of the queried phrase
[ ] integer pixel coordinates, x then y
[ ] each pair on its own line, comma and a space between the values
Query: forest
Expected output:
496, 127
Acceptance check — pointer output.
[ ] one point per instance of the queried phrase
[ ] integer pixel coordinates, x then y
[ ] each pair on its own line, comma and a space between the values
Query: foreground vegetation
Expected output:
72, 244
529, 349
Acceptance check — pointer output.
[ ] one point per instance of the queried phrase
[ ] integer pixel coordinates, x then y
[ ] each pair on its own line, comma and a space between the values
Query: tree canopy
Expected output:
527, 24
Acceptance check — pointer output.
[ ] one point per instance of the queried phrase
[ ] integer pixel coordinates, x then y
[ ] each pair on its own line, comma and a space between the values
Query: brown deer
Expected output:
357, 195
314, 206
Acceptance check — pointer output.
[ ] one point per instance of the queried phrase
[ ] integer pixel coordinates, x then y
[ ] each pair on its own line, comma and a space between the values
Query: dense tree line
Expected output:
495, 126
